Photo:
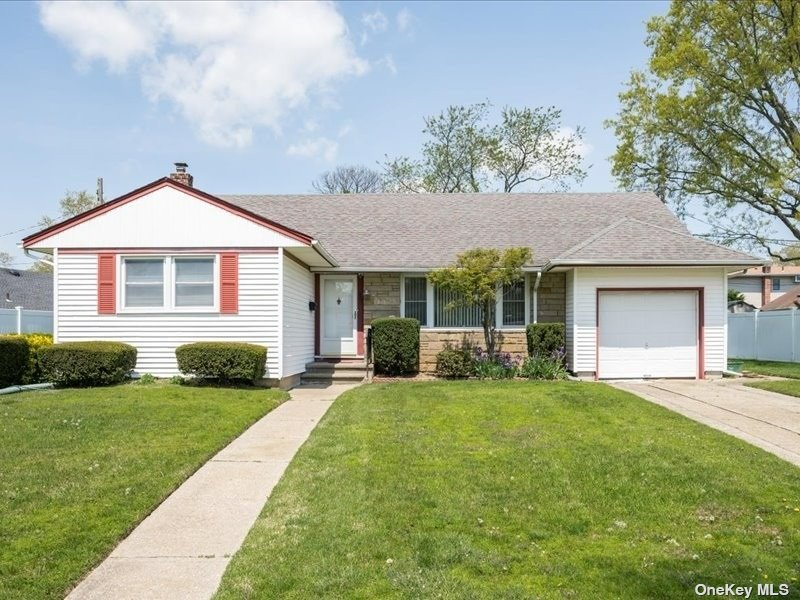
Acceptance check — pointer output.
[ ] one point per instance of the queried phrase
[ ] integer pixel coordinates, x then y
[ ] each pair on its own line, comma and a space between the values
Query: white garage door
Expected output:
647, 334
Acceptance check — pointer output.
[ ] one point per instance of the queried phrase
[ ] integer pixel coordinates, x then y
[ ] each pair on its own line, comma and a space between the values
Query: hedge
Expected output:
453, 363
36, 341
14, 356
225, 361
395, 345
84, 364
544, 339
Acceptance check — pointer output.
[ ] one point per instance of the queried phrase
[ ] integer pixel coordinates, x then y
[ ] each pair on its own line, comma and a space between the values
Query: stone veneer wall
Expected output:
552, 297
383, 297
383, 300
433, 341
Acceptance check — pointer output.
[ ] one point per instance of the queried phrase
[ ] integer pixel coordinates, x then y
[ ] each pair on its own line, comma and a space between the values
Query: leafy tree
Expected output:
735, 296
349, 180
714, 117
72, 204
475, 277
6, 259
465, 153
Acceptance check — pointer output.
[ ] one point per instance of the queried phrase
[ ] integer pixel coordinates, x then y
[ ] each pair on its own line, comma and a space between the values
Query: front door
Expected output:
339, 316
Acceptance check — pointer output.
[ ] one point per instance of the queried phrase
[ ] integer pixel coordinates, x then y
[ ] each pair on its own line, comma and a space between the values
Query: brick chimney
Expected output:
766, 289
181, 175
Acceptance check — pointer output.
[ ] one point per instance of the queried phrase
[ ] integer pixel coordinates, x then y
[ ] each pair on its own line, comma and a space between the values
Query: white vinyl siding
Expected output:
298, 320
157, 334
582, 298
569, 320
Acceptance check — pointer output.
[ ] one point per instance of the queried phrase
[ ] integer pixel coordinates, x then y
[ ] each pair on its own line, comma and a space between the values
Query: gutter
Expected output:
323, 253
357, 269
652, 263
47, 261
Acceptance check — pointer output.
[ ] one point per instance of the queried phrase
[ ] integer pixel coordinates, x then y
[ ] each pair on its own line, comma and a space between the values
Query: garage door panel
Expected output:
647, 334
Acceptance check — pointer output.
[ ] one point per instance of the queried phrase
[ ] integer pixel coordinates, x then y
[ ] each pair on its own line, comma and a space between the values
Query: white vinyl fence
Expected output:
23, 320
771, 335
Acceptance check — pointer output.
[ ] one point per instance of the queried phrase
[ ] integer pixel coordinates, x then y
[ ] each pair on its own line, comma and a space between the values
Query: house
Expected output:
168, 264
740, 306
789, 299
761, 285
27, 289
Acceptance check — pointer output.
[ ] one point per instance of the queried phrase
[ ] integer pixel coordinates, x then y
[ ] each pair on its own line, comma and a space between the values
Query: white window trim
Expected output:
169, 286
430, 308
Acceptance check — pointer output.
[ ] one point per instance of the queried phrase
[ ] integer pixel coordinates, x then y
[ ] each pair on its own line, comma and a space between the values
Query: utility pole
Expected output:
99, 190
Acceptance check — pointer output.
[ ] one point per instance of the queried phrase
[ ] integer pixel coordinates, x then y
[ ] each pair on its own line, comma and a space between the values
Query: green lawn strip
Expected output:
518, 490
772, 368
790, 388
79, 469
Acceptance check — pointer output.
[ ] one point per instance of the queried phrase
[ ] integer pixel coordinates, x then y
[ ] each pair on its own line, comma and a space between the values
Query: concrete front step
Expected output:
339, 372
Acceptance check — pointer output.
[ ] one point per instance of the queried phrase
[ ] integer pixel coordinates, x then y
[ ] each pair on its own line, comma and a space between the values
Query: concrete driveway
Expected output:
765, 419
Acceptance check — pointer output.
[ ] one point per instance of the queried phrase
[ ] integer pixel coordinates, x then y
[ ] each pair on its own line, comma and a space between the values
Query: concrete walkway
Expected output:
765, 419
182, 549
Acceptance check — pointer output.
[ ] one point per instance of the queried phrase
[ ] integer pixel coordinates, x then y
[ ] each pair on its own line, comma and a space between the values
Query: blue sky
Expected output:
108, 90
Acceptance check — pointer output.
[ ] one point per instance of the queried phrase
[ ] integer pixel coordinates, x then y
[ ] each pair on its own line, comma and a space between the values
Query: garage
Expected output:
645, 334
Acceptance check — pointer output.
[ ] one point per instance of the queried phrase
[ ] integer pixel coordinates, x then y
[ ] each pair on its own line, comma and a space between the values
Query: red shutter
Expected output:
229, 283
106, 284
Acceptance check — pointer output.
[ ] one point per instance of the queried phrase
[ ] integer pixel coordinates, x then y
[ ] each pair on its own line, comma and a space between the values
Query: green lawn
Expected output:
518, 490
80, 468
788, 387
773, 368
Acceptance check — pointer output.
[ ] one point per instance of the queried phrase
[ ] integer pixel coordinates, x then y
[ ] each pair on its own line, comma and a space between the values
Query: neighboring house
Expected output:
761, 285
789, 299
740, 306
168, 264
27, 289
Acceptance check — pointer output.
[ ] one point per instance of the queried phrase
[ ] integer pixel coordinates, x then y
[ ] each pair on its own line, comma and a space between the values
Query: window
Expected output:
194, 282
447, 315
416, 299
514, 304
776, 284
144, 282
181, 282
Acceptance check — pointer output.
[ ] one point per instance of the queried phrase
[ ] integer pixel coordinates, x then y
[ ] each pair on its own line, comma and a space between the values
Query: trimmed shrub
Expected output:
453, 363
14, 356
395, 345
225, 361
84, 364
546, 339
33, 374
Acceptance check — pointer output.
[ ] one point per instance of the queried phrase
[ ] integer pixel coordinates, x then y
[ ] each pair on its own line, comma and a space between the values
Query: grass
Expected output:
518, 490
80, 468
788, 387
772, 368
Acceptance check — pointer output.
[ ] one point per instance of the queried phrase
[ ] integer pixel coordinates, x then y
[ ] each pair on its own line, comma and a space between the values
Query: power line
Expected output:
771, 240
19, 230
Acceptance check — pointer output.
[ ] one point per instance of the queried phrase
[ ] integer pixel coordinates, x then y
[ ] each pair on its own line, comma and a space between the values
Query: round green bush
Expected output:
395, 345
14, 356
225, 361
85, 364
453, 363
546, 339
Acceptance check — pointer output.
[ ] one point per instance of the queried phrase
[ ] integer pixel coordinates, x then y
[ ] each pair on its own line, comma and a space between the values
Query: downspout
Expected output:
46, 261
536, 296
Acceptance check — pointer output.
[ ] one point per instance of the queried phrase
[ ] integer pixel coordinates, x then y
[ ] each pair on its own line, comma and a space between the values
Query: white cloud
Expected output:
320, 147
375, 21
227, 67
388, 62
582, 147
403, 19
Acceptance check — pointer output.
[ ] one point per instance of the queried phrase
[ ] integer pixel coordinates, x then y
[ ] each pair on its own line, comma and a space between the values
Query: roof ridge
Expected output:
591, 238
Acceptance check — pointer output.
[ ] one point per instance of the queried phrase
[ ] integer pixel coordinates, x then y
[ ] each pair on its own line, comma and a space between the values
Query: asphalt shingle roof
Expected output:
429, 230
26, 289
633, 240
